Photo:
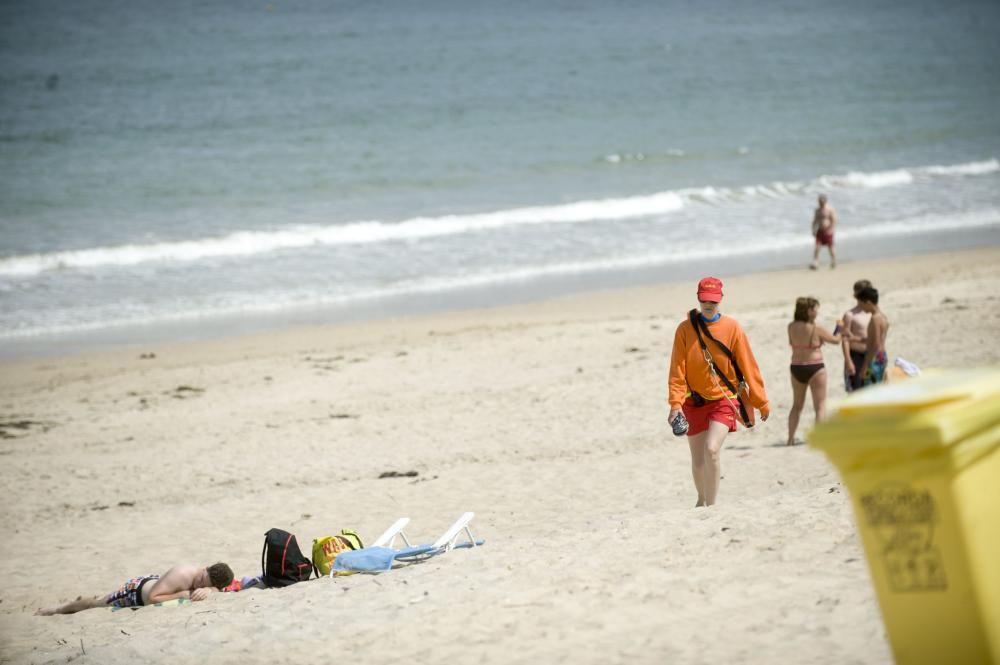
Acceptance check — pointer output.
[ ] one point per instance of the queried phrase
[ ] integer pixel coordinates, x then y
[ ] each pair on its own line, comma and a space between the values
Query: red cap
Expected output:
710, 289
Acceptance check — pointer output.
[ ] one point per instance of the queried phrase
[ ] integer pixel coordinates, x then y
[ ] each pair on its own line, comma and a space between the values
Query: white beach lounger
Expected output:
389, 537
377, 559
448, 538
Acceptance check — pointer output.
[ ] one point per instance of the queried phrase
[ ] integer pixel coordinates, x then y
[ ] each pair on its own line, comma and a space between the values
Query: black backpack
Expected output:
282, 560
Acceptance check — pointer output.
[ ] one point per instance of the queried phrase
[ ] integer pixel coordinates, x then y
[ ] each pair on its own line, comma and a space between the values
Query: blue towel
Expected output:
374, 559
379, 559
365, 560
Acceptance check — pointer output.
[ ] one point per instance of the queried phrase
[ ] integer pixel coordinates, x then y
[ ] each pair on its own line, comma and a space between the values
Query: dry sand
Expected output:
547, 420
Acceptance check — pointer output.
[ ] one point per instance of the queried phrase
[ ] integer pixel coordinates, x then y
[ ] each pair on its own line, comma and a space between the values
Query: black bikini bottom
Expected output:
802, 373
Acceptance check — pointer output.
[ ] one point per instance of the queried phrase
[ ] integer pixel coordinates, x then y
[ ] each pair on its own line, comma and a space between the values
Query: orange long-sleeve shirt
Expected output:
688, 366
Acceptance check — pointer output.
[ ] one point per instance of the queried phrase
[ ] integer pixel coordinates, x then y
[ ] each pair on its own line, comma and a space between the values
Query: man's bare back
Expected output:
181, 581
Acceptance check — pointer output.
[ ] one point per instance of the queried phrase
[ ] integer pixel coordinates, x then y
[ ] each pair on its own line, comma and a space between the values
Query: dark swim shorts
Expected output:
129, 594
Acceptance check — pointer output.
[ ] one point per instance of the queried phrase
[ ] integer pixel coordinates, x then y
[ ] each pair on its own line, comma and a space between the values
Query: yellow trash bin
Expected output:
921, 461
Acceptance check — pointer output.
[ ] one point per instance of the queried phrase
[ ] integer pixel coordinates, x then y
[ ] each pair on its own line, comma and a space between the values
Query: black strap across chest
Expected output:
701, 328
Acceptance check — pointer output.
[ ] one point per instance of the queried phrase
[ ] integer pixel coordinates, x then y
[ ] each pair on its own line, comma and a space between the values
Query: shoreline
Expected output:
134, 336
547, 420
626, 300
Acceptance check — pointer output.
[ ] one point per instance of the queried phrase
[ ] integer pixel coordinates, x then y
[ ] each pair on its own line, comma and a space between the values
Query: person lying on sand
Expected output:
181, 581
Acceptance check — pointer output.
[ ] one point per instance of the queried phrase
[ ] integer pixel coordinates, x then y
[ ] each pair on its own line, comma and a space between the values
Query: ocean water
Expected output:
174, 170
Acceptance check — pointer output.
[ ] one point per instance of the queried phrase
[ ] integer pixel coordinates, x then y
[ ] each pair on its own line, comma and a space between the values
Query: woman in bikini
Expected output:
808, 372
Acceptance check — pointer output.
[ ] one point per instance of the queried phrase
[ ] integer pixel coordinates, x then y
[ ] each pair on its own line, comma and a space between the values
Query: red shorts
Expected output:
824, 237
719, 410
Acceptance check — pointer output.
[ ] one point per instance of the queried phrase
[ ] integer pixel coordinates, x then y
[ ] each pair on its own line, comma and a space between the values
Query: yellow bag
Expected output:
326, 549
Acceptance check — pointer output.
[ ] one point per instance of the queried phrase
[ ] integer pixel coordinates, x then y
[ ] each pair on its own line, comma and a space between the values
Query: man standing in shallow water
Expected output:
824, 221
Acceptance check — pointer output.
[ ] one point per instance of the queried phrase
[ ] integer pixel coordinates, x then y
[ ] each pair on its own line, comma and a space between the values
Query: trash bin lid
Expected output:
931, 411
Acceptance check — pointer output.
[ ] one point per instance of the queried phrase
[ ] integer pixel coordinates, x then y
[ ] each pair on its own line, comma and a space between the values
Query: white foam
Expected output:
112, 316
870, 180
616, 158
247, 243
972, 168
244, 243
898, 177
925, 223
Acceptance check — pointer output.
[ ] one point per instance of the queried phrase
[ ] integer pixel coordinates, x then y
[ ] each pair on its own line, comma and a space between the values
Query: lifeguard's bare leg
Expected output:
697, 444
716, 436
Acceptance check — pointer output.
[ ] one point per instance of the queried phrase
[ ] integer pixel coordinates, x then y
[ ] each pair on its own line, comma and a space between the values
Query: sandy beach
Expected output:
547, 420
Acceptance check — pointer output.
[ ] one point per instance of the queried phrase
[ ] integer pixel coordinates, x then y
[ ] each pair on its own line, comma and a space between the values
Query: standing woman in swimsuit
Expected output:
808, 371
